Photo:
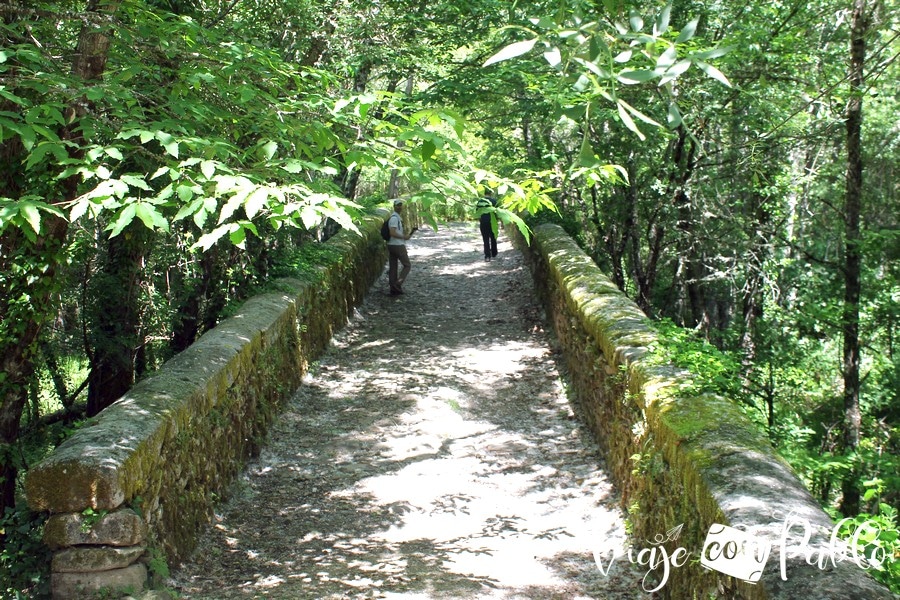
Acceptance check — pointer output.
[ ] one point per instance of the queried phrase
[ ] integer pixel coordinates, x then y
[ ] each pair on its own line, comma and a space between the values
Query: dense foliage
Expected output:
733, 167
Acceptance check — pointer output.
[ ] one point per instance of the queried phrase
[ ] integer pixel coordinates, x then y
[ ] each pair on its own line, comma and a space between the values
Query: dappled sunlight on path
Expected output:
431, 453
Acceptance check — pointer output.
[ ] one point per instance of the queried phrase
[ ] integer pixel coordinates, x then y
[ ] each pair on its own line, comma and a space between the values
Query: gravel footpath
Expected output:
431, 453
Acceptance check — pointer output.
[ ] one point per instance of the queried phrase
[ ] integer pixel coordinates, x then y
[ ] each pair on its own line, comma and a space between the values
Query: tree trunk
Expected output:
689, 270
318, 45
59, 382
643, 273
394, 183
189, 291
852, 254
349, 180
752, 295
117, 318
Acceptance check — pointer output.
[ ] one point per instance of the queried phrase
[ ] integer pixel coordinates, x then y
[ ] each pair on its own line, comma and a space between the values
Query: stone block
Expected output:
89, 559
79, 586
120, 528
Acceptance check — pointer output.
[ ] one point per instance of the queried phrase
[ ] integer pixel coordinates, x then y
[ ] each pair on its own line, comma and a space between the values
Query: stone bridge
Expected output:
139, 483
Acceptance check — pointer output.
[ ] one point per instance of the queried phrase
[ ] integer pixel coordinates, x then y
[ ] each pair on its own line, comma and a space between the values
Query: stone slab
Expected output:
120, 528
80, 586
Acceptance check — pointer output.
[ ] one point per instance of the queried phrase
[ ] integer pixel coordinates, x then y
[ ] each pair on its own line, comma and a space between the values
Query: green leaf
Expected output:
127, 134
586, 157
628, 121
294, 166
126, 216
662, 21
207, 240
713, 53
115, 153
256, 201
635, 20
713, 72
553, 57
575, 113
269, 149
159, 172
631, 77
688, 32
597, 48
238, 236
208, 168
428, 150
78, 210
673, 118
28, 136
200, 217
32, 216
511, 51
168, 142
340, 104
37, 155
151, 218
185, 192
136, 181
675, 71
593, 68
638, 114
667, 58
188, 209
234, 202
624, 57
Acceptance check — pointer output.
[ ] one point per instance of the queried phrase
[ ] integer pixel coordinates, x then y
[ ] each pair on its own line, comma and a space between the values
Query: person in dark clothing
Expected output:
485, 216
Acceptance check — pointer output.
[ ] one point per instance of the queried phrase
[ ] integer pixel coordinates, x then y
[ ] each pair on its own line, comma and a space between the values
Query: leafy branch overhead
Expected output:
595, 57
238, 136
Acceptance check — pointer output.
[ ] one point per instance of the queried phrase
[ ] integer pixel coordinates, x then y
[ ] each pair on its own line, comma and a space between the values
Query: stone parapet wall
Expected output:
146, 473
686, 460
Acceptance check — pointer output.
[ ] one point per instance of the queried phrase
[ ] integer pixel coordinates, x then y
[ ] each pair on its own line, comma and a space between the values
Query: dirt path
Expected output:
431, 454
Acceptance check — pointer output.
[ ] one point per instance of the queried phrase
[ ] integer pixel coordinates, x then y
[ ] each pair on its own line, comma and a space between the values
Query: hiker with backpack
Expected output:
396, 245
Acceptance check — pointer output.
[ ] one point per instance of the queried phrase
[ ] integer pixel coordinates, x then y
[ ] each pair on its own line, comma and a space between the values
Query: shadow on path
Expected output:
431, 453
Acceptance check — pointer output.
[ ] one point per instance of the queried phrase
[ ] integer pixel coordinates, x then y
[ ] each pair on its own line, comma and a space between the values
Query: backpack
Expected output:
385, 230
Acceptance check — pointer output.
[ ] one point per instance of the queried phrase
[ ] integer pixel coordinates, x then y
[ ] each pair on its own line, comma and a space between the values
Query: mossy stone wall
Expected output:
678, 459
169, 448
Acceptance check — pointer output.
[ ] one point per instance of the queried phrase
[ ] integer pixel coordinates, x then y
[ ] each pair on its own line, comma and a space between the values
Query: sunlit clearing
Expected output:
505, 358
505, 518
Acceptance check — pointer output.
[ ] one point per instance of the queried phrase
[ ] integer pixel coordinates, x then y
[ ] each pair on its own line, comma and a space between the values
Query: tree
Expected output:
850, 363
31, 252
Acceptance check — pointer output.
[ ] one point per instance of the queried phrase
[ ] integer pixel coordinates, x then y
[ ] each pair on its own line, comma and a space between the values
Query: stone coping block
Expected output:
101, 584
119, 528
694, 472
90, 559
